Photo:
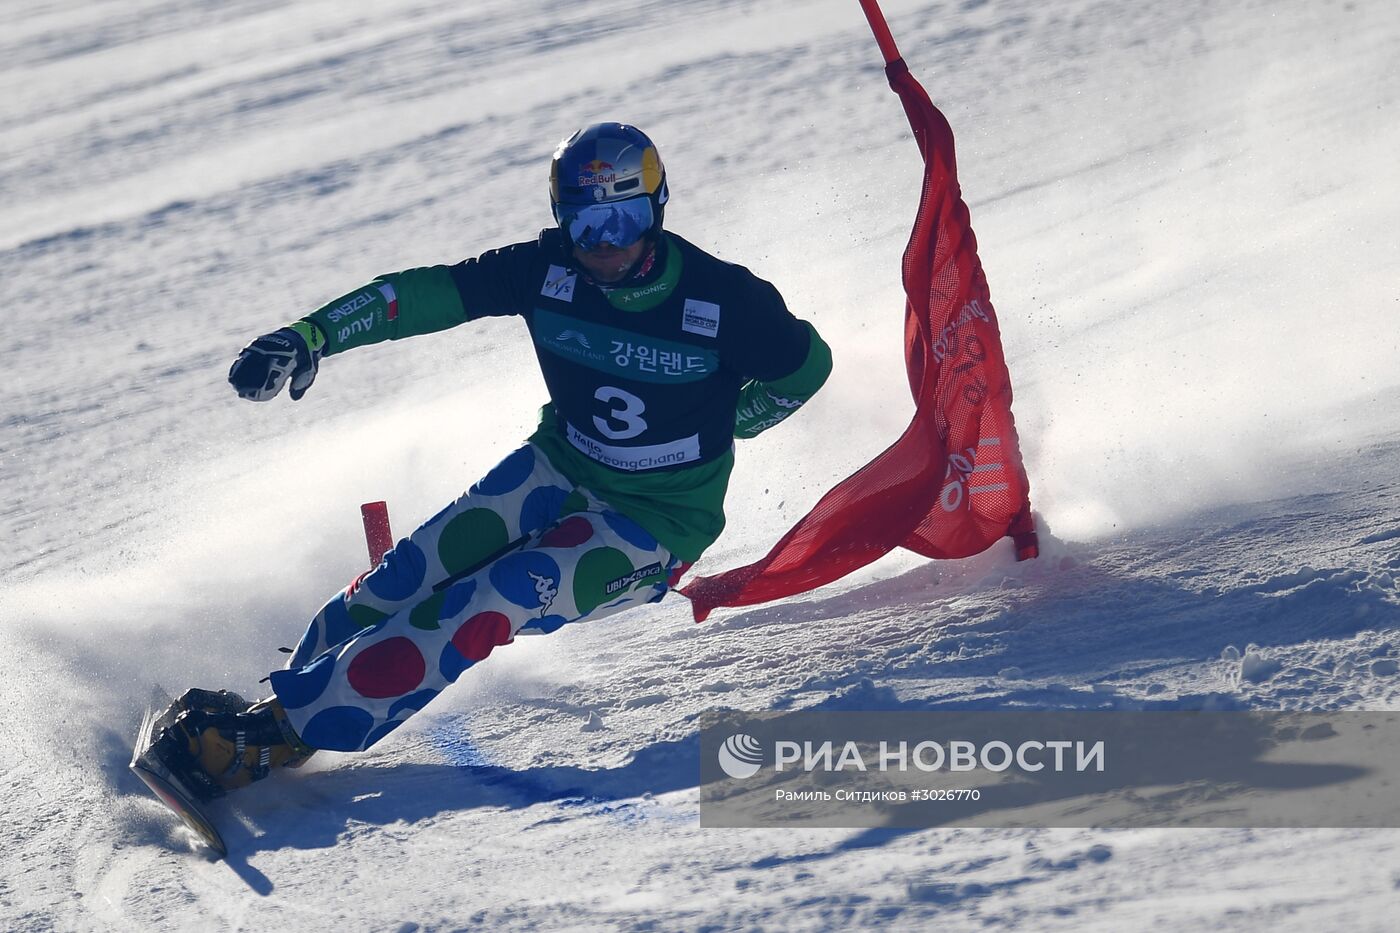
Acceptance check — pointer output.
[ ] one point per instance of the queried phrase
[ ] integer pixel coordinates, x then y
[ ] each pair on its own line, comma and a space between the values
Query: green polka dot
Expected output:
425, 614
596, 569
365, 616
470, 538
574, 502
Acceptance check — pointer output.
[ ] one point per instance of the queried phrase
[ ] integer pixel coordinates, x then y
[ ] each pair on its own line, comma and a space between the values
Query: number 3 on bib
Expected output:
629, 414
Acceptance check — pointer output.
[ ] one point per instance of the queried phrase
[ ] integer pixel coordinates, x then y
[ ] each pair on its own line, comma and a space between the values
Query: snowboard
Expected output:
162, 782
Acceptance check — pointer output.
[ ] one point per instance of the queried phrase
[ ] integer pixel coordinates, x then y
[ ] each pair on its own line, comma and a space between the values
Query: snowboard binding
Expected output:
217, 741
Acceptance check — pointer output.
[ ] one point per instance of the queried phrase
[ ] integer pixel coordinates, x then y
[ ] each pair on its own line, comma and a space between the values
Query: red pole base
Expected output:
1023, 535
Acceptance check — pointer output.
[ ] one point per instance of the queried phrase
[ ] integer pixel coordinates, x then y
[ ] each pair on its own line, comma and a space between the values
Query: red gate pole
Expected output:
1022, 531
377, 534
881, 30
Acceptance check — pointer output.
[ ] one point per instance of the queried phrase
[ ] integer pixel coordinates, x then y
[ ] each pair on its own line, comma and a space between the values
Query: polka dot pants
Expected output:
523, 551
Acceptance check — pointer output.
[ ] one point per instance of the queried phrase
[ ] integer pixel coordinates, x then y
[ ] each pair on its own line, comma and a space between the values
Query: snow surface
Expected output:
1188, 215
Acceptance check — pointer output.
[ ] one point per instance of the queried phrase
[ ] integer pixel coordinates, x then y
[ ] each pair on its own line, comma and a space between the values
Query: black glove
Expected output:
267, 363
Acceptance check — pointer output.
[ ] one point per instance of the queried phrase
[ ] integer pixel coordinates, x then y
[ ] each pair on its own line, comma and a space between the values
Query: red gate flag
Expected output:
954, 482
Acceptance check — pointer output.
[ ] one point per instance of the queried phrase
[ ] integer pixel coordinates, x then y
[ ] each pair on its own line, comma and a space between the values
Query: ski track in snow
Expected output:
1186, 214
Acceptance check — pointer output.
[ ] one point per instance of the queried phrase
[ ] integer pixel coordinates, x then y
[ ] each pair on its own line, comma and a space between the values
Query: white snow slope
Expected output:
1188, 215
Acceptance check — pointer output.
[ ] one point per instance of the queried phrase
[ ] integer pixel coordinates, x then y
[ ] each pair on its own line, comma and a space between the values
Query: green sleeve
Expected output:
764, 404
393, 306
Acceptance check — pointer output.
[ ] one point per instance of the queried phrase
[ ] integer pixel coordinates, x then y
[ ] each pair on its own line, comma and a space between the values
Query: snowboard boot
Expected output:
220, 742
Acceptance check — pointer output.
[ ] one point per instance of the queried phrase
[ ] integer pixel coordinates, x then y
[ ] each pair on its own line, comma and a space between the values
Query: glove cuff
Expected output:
308, 331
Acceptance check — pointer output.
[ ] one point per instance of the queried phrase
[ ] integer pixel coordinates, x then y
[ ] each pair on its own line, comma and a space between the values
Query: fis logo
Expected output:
559, 284
701, 317
741, 756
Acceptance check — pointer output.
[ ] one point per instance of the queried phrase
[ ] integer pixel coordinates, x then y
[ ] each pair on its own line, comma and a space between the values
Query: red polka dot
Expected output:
479, 634
569, 533
391, 668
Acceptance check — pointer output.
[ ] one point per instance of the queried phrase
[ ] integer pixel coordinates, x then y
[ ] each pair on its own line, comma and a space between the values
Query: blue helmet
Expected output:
607, 186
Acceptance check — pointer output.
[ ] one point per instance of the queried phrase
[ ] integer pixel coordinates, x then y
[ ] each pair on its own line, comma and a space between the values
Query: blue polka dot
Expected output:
414, 701
458, 596
362, 631
339, 625
382, 731
527, 578
451, 663
298, 687
548, 623
629, 531
542, 508
508, 475
307, 646
338, 729
401, 574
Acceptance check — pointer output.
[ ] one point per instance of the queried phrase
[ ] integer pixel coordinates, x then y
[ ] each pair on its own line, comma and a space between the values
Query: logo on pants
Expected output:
546, 588
528, 579
621, 583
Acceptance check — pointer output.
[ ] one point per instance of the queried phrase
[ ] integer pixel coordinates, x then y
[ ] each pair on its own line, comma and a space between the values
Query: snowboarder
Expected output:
656, 356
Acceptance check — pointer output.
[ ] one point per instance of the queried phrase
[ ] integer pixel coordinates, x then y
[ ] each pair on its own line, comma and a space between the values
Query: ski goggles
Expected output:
616, 223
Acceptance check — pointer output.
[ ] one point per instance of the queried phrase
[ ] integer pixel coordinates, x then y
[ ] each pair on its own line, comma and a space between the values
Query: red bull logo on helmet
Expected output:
596, 172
